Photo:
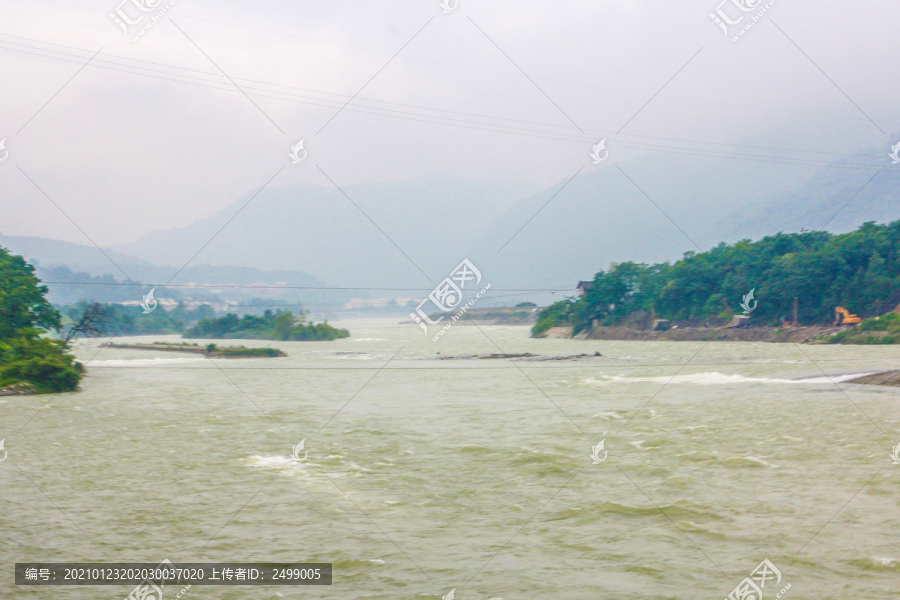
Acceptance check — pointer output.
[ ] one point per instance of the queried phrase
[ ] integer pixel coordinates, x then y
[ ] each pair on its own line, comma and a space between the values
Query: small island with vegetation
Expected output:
209, 350
94, 319
34, 361
277, 325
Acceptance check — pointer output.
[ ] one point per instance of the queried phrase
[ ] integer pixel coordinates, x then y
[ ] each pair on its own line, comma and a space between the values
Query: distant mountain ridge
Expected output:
98, 278
402, 238
837, 197
406, 234
649, 209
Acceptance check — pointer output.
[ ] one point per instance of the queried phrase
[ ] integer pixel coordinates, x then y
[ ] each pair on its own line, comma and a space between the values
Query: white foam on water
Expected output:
289, 465
609, 416
835, 378
357, 467
270, 462
715, 378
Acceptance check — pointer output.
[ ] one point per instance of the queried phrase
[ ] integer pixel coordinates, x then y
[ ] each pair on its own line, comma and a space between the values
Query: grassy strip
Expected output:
210, 350
877, 330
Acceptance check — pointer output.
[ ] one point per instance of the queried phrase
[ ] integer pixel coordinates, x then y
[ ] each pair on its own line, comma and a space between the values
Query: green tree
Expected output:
25, 314
279, 325
22, 298
558, 314
283, 326
39, 361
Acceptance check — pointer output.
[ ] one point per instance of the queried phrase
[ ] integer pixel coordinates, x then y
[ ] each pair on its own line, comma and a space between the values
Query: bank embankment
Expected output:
891, 378
803, 335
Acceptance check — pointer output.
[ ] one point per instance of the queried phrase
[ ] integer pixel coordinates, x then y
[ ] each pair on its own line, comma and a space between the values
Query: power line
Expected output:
497, 71
284, 287
444, 120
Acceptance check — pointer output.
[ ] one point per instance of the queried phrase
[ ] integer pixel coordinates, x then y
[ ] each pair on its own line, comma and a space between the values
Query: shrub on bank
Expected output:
42, 362
877, 330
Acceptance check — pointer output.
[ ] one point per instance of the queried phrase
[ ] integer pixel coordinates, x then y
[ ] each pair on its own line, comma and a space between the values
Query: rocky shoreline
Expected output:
520, 356
23, 388
802, 335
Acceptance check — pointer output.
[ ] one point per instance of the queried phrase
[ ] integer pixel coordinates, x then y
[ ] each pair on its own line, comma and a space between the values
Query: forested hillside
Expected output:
859, 270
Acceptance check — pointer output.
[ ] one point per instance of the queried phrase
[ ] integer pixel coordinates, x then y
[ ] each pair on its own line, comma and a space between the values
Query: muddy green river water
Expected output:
479, 476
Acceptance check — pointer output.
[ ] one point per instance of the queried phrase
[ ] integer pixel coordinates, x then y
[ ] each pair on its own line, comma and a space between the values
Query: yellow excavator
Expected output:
842, 316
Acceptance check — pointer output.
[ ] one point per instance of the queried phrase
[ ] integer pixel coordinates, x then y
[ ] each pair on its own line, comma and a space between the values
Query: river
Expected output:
426, 475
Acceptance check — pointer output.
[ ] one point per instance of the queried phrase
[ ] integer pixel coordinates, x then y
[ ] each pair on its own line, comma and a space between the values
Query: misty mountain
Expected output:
381, 235
838, 197
650, 208
79, 272
388, 235
656, 207
409, 235
78, 257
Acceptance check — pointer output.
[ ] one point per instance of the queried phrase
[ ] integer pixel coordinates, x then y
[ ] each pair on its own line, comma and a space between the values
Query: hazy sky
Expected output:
154, 133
